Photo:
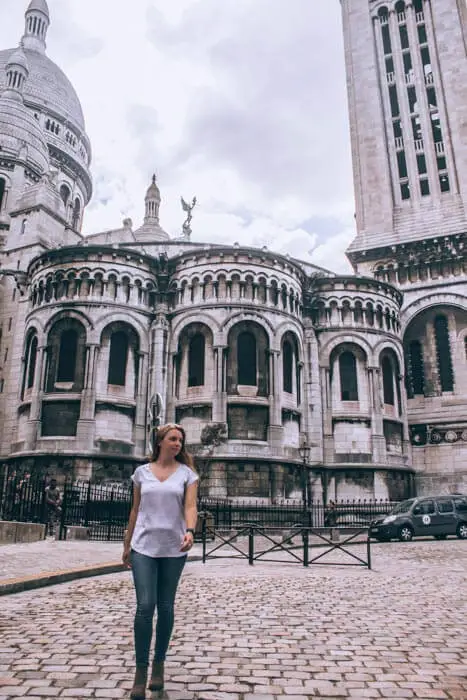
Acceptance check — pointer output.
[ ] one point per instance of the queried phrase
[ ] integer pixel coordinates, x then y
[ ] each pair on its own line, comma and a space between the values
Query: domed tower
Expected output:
151, 230
23, 149
53, 103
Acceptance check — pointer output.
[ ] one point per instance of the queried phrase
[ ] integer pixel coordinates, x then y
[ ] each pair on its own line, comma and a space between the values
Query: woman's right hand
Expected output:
126, 556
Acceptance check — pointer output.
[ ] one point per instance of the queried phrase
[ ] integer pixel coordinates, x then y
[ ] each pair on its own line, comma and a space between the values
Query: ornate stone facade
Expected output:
369, 369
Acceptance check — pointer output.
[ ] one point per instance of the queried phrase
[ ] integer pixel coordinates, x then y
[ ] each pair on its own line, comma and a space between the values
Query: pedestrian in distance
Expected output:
53, 499
331, 514
160, 532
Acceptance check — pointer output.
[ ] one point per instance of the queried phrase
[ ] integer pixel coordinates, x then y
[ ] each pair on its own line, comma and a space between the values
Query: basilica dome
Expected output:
21, 135
47, 87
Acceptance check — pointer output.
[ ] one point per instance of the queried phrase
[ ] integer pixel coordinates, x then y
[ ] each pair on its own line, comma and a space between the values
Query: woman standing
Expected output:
160, 533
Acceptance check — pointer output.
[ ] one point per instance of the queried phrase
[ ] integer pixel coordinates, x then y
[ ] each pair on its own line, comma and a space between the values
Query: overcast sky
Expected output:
239, 102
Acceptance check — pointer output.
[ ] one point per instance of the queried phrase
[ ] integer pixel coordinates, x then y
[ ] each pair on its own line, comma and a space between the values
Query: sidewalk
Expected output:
36, 564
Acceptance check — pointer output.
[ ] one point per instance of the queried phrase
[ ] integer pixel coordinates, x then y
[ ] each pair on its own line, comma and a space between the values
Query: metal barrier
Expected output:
304, 553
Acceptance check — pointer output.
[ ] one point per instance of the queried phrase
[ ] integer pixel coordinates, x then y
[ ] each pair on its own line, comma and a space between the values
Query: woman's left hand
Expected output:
187, 542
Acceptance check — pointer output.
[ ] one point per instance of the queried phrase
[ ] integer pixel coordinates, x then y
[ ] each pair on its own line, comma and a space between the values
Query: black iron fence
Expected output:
104, 508
227, 514
22, 498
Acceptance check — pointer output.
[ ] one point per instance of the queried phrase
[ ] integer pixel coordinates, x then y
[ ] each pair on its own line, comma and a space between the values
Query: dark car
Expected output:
438, 516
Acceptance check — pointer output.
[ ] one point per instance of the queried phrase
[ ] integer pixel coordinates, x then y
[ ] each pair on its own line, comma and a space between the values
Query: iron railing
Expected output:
357, 513
104, 508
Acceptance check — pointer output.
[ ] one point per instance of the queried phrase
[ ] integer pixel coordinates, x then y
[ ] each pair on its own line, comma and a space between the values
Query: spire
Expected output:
152, 203
17, 71
37, 20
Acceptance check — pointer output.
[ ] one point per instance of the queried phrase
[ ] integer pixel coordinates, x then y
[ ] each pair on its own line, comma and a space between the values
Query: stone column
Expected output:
219, 407
326, 409
158, 369
34, 422
276, 431
377, 433
141, 414
404, 417
86, 424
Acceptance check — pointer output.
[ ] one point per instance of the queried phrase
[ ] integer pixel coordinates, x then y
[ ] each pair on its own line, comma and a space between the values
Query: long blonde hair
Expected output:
183, 456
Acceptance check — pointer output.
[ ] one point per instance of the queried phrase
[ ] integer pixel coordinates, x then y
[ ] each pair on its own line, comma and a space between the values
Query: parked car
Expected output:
438, 516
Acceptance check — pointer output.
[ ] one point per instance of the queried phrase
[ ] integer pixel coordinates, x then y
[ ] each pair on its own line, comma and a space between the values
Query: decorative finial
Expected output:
188, 208
17, 72
37, 20
154, 178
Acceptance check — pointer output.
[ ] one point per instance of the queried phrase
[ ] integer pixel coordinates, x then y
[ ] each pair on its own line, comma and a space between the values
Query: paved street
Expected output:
255, 633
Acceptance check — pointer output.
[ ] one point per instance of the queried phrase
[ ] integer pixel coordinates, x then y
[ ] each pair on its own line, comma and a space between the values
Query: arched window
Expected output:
31, 363
443, 352
415, 369
2, 191
76, 214
67, 357
196, 352
65, 194
118, 358
246, 359
287, 366
348, 376
388, 381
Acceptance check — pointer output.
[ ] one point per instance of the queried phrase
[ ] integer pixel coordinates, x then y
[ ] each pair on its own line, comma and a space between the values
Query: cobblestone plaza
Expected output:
248, 633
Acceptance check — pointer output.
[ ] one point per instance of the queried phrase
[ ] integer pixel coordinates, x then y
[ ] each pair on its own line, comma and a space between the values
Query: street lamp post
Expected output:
305, 450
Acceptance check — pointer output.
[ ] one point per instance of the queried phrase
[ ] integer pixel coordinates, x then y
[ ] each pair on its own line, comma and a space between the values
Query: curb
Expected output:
29, 583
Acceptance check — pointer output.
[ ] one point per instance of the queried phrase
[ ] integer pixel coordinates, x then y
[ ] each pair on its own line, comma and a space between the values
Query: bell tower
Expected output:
407, 89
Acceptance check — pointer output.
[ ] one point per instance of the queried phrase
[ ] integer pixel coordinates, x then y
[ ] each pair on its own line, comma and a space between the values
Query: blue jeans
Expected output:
156, 580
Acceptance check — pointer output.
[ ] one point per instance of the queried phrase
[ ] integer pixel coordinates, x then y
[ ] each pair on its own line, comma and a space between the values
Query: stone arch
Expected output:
253, 317
29, 360
66, 354
76, 214
433, 366
350, 338
65, 193
291, 364
248, 358
391, 371
427, 302
194, 360
119, 359
195, 317
137, 325
3, 191
348, 364
386, 344
73, 313
288, 326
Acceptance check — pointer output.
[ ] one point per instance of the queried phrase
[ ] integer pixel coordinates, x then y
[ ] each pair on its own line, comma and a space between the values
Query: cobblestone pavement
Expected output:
267, 632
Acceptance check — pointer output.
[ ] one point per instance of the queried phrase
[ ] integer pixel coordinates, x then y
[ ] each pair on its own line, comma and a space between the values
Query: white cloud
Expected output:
241, 104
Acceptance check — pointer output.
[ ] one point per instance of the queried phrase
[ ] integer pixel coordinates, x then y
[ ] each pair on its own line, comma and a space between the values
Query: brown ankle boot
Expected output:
157, 676
138, 692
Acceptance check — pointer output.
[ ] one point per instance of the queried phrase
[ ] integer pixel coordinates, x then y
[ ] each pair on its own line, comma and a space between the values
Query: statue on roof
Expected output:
188, 208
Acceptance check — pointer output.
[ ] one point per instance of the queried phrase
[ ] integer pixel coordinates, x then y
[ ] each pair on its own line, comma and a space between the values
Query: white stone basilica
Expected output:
370, 369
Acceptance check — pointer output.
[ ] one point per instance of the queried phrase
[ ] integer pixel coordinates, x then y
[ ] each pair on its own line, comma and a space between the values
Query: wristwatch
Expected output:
191, 529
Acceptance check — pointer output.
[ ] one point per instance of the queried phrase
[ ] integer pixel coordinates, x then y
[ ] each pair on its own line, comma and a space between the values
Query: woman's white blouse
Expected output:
160, 524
